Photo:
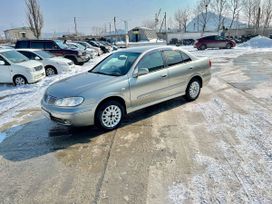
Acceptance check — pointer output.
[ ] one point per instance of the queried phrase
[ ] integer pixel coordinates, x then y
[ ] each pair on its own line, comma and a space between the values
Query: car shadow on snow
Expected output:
42, 136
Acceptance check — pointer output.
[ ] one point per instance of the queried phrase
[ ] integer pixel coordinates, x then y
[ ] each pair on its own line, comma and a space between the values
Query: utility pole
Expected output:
75, 22
165, 23
114, 22
110, 27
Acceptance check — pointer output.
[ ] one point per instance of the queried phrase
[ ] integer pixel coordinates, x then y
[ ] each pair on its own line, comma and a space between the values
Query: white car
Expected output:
76, 46
18, 69
52, 64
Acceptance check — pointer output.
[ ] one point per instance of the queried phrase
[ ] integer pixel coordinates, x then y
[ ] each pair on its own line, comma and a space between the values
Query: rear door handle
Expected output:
164, 75
190, 68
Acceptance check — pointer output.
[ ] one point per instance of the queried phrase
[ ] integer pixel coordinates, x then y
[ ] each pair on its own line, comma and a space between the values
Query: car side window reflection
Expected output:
173, 57
2, 59
152, 62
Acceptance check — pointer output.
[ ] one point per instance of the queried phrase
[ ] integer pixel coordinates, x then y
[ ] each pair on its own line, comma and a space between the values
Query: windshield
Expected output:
14, 56
79, 46
117, 64
44, 54
61, 44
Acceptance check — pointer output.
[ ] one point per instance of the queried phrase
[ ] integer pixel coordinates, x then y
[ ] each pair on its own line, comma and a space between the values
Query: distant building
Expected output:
18, 34
142, 34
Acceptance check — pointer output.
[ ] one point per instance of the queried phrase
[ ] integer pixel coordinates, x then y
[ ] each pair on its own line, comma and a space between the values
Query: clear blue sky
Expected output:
58, 14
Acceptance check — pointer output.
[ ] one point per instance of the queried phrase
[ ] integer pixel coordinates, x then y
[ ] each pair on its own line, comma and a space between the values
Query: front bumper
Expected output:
36, 76
72, 116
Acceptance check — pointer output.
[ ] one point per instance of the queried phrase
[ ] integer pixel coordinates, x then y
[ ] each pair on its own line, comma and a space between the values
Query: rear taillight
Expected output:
210, 63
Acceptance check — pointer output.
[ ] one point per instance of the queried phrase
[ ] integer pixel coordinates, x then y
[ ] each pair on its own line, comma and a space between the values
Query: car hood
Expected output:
29, 64
75, 85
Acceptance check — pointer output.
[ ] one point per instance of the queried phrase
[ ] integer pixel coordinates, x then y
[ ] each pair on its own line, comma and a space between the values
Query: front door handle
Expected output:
164, 75
190, 68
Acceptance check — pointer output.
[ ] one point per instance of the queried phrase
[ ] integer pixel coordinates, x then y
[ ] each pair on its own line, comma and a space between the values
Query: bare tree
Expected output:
98, 31
235, 7
34, 17
219, 7
182, 18
149, 24
248, 7
202, 10
266, 14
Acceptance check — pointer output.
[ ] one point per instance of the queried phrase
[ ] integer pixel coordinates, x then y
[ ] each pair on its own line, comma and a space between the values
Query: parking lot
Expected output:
217, 149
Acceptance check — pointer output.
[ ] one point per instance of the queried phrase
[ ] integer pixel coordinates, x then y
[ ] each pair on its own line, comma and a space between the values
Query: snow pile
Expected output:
258, 42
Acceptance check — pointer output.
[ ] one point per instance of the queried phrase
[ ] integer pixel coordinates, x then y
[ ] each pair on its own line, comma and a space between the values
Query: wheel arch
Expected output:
112, 98
51, 66
15, 75
198, 77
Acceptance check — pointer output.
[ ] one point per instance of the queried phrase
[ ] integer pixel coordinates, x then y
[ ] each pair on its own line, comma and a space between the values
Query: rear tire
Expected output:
109, 115
193, 90
19, 80
203, 47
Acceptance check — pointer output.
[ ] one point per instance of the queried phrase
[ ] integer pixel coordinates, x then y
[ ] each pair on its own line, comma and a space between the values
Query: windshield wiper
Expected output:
105, 73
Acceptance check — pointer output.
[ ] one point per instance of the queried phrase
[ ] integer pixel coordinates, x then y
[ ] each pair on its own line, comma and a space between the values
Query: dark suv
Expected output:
214, 41
56, 47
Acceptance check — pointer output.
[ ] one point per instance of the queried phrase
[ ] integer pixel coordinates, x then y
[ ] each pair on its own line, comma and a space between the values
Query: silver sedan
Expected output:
124, 82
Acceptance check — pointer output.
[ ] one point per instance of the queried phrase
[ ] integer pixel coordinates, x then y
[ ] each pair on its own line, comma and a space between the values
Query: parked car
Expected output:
87, 45
106, 43
52, 64
56, 47
96, 44
124, 82
18, 69
214, 41
76, 46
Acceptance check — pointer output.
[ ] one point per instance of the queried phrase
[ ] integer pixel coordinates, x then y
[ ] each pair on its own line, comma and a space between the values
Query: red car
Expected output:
214, 41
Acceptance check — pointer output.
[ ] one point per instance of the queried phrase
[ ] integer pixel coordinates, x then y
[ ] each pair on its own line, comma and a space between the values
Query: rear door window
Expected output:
152, 62
37, 45
173, 57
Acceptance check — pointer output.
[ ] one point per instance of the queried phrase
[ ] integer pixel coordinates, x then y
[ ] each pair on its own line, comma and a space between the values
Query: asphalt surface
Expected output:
214, 150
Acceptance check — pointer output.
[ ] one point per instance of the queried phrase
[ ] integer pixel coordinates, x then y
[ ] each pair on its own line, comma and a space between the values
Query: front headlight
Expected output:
80, 53
69, 102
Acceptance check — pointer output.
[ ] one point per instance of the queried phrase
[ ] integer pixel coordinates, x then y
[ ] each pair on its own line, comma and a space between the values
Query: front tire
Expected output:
228, 46
109, 115
193, 90
19, 80
50, 71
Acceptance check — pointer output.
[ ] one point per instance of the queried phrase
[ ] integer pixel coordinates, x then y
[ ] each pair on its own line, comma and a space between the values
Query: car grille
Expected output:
49, 99
38, 68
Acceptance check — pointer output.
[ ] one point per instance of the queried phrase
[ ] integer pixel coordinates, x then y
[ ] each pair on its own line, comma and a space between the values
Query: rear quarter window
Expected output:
22, 44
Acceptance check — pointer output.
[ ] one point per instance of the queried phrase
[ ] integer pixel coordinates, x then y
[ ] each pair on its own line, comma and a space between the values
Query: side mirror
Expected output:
2, 62
37, 58
141, 71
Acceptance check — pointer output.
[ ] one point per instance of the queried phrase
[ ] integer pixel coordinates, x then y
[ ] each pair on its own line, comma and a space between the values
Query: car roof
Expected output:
144, 49
30, 50
5, 50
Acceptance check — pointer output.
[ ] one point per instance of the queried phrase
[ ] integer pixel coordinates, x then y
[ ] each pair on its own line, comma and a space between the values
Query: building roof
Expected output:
19, 28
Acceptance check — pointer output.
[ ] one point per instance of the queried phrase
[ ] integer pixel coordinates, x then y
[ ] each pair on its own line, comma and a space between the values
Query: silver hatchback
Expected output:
124, 82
